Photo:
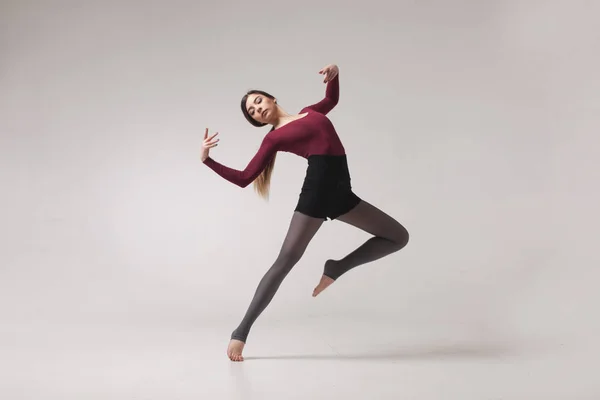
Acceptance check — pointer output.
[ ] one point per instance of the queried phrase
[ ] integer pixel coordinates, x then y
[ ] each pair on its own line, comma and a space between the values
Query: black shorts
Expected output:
326, 192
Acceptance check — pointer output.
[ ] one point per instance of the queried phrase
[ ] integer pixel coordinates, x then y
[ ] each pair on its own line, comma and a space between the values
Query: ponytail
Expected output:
262, 183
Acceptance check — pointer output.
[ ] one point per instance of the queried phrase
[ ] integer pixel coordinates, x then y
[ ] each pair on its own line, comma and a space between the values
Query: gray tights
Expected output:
389, 236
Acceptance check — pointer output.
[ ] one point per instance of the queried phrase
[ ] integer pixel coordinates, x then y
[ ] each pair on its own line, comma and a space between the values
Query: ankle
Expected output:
331, 268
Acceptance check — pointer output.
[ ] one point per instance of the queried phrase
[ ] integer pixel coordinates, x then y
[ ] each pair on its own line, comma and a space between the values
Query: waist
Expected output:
328, 160
327, 168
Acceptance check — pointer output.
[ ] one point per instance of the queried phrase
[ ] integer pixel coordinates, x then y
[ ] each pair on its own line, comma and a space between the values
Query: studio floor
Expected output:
318, 358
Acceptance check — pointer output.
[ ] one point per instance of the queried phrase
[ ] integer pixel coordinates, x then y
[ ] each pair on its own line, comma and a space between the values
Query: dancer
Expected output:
326, 193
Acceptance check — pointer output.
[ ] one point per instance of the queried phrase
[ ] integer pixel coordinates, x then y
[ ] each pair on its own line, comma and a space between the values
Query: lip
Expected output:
264, 113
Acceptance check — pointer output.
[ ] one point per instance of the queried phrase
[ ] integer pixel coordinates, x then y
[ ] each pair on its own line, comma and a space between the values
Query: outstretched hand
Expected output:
330, 71
207, 144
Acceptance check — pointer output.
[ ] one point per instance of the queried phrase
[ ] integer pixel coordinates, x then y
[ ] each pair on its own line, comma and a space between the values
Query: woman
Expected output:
326, 193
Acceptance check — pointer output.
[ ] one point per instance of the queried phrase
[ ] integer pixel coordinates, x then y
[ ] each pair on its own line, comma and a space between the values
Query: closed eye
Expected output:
257, 100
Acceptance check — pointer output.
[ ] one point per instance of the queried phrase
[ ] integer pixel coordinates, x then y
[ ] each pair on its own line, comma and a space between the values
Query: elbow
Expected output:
244, 182
242, 179
247, 178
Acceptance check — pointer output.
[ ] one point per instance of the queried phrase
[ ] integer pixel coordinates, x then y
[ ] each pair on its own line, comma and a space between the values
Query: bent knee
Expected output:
400, 236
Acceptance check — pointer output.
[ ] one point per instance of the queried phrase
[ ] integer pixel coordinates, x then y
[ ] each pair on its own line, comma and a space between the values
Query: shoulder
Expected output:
310, 111
271, 139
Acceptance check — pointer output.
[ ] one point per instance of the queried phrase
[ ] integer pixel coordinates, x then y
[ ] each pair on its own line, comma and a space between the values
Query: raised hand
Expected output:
207, 144
330, 71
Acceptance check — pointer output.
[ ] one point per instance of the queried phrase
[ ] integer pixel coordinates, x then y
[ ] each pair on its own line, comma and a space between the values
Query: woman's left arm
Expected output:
332, 93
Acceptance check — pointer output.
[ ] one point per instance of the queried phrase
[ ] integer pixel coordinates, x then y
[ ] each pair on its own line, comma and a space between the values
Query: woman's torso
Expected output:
312, 134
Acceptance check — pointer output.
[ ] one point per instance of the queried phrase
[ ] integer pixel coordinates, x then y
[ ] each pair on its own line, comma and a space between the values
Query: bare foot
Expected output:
325, 280
234, 350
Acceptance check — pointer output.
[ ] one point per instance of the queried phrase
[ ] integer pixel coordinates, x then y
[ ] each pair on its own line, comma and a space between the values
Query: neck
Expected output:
280, 117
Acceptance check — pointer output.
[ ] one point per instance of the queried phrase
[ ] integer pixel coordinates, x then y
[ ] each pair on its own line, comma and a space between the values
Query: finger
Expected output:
213, 136
206, 133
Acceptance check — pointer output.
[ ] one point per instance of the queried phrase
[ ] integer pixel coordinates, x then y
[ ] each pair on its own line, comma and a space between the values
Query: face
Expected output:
261, 108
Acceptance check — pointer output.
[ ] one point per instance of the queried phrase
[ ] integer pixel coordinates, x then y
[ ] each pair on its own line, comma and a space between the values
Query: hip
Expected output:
327, 172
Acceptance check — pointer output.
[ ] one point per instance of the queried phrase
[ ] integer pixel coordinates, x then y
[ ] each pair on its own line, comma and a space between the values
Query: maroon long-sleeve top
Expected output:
312, 134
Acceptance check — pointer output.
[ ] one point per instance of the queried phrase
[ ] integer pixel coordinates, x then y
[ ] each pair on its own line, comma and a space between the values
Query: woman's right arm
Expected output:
243, 178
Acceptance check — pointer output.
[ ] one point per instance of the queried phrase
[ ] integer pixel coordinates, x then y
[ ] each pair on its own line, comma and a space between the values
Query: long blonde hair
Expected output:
263, 182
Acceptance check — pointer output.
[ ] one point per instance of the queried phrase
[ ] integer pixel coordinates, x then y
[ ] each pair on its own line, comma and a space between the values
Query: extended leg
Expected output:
389, 236
301, 231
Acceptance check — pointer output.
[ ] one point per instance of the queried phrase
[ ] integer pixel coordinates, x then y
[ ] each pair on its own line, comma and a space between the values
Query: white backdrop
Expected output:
475, 124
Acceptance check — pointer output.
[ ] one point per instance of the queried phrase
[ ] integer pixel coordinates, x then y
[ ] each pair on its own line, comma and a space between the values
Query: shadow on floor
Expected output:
454, 351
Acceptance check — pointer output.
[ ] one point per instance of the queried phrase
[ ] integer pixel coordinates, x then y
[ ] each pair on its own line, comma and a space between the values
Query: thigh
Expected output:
370, 219
300, 232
